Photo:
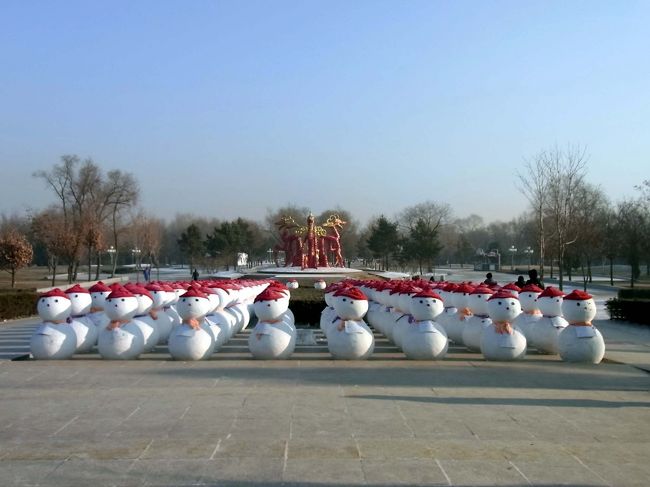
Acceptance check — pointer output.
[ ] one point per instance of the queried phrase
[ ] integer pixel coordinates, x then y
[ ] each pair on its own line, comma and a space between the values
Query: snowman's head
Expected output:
329, 294
578, 307
503, 306
98, 293
461, 295
158, 294
405, 298
121, 304
426, 305
194, 303
270, 304
213, 297
170, 294
293, 284
549, 301
145, 299
512, 289
54, 305
320, 284
478, 298
528, 297
350, 303
80, 299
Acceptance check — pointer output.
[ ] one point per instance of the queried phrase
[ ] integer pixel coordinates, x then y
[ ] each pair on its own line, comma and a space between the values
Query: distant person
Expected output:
488, 279
534, 279
147, 273
195, 275
521, 282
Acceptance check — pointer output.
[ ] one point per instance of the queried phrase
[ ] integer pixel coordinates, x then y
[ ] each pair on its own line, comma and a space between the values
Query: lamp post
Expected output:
529, 251
270, 252
135, 252
111, 252
513, 251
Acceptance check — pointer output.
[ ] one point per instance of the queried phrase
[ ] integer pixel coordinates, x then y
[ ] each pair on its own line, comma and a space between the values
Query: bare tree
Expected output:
533, 184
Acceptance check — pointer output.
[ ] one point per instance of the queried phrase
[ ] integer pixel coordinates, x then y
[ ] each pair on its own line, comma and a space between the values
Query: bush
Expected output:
18, 304
634, 293
635, 310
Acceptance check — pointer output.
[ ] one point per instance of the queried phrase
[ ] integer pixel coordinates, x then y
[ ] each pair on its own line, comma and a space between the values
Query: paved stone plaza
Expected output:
313, 421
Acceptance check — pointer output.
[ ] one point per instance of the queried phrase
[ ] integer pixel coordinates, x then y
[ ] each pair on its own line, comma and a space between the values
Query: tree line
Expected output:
569, 227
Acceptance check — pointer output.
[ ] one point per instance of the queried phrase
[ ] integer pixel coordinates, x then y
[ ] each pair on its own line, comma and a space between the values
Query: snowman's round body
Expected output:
320, 285
479, 320
351, 338
192, 340
545, 333
97, 314
272, 340
125, 340
84, 328
500, 340
456, 323
145, 322
53, 339
163, 321
580, 341
530, 315
424, 340
245, 313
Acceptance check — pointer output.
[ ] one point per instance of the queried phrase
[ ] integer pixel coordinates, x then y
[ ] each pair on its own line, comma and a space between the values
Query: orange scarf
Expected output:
534, 312
465, 313
193, 322
154, 314
503, 327
582, 323
116, 324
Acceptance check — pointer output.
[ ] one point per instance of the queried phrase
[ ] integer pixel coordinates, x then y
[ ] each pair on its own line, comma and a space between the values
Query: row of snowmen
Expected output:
194, 319
420, 317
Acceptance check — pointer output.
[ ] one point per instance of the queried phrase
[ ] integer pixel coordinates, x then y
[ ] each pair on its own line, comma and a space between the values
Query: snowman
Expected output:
143, 318
192, 340
500, 340
530, 311
329, 313
350, 339
456, 324
449, 312
545, 332
157, 311
512, 288
424, 339
477, 302
293, 284
272, 337
98, 293
121, 339
320, 284
54, 339
580, 341
80, 322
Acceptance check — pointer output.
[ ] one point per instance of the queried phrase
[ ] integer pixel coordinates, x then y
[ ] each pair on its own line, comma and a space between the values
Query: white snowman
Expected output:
328, 315
121, 339
143, 318
83, 326
54, 339
460, 299
272, 337
320, 284
448, 315
500, 340
192, 340
424, 339
98, 293
477, 302
545, 332
163, 321
530, 311
512, 288
351, 338
293, 284
580, 341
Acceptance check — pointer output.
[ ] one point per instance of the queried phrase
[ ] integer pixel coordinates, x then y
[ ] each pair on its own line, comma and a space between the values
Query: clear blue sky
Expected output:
229, 108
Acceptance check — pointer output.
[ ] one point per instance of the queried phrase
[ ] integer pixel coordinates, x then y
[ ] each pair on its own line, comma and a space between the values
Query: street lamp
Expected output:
270, 252
513, 251
529, 251
135, 252
111, 252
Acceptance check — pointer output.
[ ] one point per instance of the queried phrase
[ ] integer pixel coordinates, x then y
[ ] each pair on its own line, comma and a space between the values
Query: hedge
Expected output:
18, 304
307, 305
634, 293
630, 305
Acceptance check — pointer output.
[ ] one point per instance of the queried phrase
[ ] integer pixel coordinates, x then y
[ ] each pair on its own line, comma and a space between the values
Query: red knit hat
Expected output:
531, 288
512, 287
450, 288
135, 289
77, 289
152, 286
577, 295
120, 292
54, 293
351, 292
551, 292
100, 287
482, 290
427, 293
115, 285
502, 295
193, 292
270, 294
464, 288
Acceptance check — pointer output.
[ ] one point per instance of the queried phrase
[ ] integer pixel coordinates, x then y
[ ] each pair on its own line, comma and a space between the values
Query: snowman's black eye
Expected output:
184, 299
43, 300
269, 305
56, 300
512, 303
76, 295
499, 303
122, 299
557, 300
196, 299
344, 299
421, 301
578, 304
